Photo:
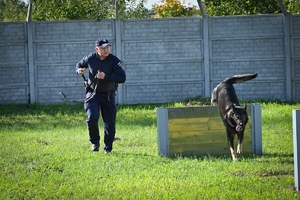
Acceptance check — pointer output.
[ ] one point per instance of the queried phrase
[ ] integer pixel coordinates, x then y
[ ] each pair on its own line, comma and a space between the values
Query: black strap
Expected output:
88, 86
64, 98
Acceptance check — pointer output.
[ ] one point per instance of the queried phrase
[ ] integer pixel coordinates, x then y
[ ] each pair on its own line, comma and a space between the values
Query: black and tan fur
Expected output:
234, 116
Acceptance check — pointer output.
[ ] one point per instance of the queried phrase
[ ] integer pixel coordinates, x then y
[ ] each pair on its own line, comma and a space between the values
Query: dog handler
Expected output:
105, 72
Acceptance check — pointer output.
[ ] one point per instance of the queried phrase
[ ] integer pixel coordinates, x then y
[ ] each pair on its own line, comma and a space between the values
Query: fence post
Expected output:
118, 53
287, 52
256, 129
31, 71
296, 141
162, 131
206, 54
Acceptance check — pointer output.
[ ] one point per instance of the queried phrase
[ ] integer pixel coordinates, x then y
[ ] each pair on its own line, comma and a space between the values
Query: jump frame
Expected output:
199, 131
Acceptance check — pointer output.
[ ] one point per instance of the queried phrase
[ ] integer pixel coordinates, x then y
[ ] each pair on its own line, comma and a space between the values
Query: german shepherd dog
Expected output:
234, 116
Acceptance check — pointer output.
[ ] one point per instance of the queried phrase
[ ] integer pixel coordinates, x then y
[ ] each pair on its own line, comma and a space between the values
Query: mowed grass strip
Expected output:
45, 154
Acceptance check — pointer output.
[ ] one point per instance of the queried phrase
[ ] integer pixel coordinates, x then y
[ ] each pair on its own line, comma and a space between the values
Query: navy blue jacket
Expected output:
112, 66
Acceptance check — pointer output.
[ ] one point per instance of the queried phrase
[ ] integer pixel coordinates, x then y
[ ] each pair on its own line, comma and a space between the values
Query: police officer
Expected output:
105, 72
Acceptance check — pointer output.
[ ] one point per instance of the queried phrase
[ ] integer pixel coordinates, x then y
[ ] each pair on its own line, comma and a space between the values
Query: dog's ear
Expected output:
244, 107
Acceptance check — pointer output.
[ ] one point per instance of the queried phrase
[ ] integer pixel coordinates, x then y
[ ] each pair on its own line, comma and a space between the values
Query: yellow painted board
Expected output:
197, 112
193, 112
207, 149
218, 133
207, 123
203, 137
201, 124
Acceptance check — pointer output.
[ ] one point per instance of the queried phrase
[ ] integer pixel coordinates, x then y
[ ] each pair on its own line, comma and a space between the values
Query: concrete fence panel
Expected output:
165, 59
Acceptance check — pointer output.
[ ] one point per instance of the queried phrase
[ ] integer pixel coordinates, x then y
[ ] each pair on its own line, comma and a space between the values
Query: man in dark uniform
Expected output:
105, 72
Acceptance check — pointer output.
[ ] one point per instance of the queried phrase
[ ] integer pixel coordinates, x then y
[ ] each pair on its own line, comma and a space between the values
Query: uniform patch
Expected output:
121, 64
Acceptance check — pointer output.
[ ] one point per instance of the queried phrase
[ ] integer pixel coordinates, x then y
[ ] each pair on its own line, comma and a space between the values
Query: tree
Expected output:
133, 10
72, 9
87, 9
174, 8
240, 7
13, 10
248, 7
292, 6
16, 10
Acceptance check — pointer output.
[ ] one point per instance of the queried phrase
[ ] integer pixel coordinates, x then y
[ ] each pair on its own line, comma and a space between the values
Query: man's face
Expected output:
103, 51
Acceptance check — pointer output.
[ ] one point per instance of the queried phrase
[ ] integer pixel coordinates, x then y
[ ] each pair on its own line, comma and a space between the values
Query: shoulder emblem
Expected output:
121, 64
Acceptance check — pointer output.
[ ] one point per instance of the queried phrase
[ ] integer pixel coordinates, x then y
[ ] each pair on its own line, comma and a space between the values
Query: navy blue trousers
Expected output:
104, 104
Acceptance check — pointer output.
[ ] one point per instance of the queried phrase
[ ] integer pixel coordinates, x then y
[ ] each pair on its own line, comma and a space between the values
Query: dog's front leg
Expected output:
240, 141
231, 146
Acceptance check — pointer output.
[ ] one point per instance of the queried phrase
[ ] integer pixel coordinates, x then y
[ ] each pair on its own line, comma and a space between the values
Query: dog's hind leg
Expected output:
231, 146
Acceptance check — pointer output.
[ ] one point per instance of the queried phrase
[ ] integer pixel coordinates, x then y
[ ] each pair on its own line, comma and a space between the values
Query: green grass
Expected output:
45, 154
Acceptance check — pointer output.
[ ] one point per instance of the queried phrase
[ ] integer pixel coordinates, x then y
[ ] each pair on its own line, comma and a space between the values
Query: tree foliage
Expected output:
174, 8
292, 6
240, 7
13, 10
87, 9
248, 7
72, 10
132, 9
16, 10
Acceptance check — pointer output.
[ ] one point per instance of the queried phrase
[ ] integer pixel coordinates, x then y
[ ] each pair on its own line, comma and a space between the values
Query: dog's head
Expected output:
237, 117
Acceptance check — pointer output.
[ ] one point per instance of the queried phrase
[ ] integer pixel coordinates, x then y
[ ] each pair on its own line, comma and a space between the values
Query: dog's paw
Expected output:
234, 157
239, 149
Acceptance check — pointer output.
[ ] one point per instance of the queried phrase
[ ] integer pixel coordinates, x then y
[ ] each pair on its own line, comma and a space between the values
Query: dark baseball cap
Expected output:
101, 42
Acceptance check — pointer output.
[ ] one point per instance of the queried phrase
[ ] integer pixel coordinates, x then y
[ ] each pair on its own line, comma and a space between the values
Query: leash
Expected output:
64, 98
87, 87
94, 92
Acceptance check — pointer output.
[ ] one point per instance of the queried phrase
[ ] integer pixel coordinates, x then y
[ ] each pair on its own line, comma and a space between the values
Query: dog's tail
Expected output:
240, 78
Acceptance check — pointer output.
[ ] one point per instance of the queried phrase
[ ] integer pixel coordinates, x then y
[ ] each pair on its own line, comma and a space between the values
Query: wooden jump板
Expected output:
200, 131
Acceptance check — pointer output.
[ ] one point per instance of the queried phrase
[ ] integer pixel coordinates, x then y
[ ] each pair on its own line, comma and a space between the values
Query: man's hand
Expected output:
81, 71
100, 75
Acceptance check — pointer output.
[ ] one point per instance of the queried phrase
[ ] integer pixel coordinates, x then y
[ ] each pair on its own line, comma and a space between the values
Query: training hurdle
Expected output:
296, 141
200, 131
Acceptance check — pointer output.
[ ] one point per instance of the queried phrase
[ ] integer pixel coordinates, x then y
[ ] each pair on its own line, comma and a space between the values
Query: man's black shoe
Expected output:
95, 147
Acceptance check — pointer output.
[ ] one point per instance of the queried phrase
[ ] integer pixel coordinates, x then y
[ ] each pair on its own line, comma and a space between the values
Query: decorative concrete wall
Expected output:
165, 59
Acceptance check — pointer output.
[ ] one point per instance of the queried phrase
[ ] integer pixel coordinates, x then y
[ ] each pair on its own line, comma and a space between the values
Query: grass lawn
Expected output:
45, 154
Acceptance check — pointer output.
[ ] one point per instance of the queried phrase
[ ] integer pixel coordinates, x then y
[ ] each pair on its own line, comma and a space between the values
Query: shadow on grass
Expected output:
265, 158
